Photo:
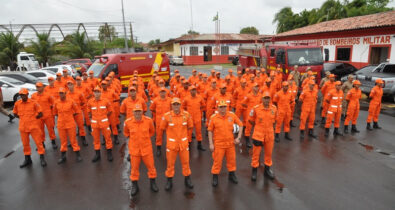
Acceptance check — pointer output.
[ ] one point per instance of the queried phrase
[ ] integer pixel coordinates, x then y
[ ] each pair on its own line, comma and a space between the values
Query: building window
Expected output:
193, 51
224, 50
343, 54
272, 52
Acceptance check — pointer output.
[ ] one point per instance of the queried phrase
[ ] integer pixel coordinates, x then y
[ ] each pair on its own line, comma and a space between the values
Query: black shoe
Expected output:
326, 132
116, 141
188, 182
301, 134
287, 137
254, 172
277, 138
232, 177
346, 129
84, 141
268, 172
10, 118
336, 132
128, 158
154, 188
89, 128
376, 125
109, 155
248, 143
135, 188
78, 157
44, 145
42, 161
354, 129
311, 133
62, 158
158, 151
97, 156
215, 180
54, 146
26, 162
200, 147
291, 124
169, 184
323, 120
368, 127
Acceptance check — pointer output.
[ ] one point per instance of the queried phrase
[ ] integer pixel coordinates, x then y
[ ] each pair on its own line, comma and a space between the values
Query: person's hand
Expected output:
212, 147
237, 140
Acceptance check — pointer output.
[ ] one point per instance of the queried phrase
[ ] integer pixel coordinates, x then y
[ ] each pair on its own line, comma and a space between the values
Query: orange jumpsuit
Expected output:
328, 86
80, 101
99, 110
192, 80
194, 106
182, 93
176, 126
93, 81
294, 91
263, 135
221, 97
202, 87
353, 97
65, 110
46, 102
223, 139
334, 99
375, 104
29, 125
128, 104
209, 97
111, 97
140, 147
249, 102
270, 89
284, 102
52, 91
160, 106
87, 92
309, 99
238, 96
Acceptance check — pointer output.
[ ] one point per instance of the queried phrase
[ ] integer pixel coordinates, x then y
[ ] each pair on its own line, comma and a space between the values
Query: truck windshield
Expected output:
97, 68
305, 56
32, 57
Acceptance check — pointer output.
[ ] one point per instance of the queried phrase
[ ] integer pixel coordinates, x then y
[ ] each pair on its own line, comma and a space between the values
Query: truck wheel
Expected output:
16, 97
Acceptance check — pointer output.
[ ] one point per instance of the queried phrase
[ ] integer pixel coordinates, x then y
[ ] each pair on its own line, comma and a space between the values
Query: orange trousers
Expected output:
325, 107
159, 134
283, 117
352, 115
96, 137
135, 166
218, 156
50, 124
292, 110
333, 116
116, 112
79, 120
86, 116
268, 150
171, 157
242, 113
307, 115
68, 133
36, 135
197, 124
374, 112
113, 124
209, 112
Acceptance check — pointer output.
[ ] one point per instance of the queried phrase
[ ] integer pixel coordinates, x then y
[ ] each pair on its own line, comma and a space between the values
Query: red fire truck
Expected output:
286, 56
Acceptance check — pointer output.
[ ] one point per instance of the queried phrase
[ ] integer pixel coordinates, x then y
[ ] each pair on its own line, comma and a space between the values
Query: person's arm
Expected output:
238, 122
210, 139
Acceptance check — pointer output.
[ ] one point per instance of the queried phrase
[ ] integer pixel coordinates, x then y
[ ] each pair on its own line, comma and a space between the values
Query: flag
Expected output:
215, 17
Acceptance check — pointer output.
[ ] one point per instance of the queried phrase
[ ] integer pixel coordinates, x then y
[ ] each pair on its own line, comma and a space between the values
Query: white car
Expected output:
59, 68
10, 88
42, 75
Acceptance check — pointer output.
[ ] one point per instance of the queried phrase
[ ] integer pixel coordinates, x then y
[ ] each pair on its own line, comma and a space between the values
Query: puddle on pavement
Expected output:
133, 202
122, 150
367, 147
371, 148
280, 185
189, 195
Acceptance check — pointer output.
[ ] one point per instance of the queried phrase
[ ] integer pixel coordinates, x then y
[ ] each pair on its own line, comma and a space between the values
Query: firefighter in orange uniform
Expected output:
183, 91
275, 83
177, 123
192, 80
66, 77
209, 99
59, 83
262, 117
309, 99
293, 89
250, 100
66, 109
100, 110
328, 86
284, 100
111, 97
238, 96
51, 89
232, 77
222, 141
375, 105
94, 81
129, 102
46, 101
334, 100
222, 95
229, 85
353, 97
29, 113
139, 129
86, 90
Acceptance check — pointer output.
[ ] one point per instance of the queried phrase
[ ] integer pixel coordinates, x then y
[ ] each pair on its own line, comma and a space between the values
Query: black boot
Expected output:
78, 157
376, 125
287, 137
84, 141
10, 118
336, 132
291, 124
200, 147
89, 128
268, 172
97, 156
277, 138
154, 188
311, 133
346, 129
26, 162
188, 182
215, 180
128, 158
232, 177
44, 145
54, 146
301, 134
326, 132
62, 158
169, 184
354, 129
254, 172
248, 143
109, 155
323, 120
42, 161
368, 127
135, 188
158, 151
116, 141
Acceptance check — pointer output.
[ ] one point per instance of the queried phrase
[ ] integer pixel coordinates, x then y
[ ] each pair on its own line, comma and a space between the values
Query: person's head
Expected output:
218, 75
252, 77
255, 87
227, 79
212, 72
230, 72
379, 82
97, 92
193, 90
51, 81
85, 76
70, 85
350, 77
58, 76
285, 86
296, 68
176, 105
338, 85
200, 75
311, 84
178, 77
239, 74
243, 83
132, 92
268, 82
65, 73
205, 78
222, 89
194, 72
138, 112
291, 82
104, 85
356, 84
222, 107
327, 73
185, 84
161, 83
332, 77
62, 94
162, 92
213, 84
258, 73
272, 74
91, 74
78, 80
24, 93
266, 99
40, 87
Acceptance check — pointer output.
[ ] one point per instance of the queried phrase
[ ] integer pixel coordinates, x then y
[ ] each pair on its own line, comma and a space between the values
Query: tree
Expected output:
43, 48
154, 42
107, 33
249, 30
78, 46
284, 19
9, 48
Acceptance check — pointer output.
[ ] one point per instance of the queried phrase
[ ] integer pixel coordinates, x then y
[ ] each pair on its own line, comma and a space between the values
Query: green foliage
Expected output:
249, 30
78, 46
107, 33
154, 42
43, 48
9, 48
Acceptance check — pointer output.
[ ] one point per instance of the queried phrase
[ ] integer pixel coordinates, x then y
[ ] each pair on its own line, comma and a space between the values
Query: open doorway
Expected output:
378, 55
207, 53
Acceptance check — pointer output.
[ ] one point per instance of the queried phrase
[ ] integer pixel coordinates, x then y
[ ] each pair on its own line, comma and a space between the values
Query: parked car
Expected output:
338, 69
85, 61
21, 76
42, 75
10, 88
363, 71
81, 68
59, 68
176, 60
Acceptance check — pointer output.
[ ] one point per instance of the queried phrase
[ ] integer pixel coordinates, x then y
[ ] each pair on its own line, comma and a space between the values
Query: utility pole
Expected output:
190, 3
124, 28
131, 33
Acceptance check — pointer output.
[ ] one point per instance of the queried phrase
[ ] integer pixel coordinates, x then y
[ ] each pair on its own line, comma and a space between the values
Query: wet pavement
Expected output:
351, 172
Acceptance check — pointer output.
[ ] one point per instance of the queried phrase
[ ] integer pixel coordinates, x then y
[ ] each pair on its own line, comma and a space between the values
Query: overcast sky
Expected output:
154, 19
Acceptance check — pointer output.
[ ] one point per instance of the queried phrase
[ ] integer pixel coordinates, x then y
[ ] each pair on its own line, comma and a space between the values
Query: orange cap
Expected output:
265, 94
380, 81
111, 74
331, 76
243, 80
64, 70
255, 84
356, 82
83, 74
62, 90
161, 80
212, 71
184, 81
39, 84
59, 74
176, 71
205, 75
51, 79
312, 82
132, 88
263, 70
272, 73
78, 78
137, 107
175, 100
222, 86
309, 73
162, 89
177, 74
285, 83
217, 72
23, 91
193, 87
107, 78
70, 82
268, 80
200, 73
291, 77
227, 77
135, 72
90, 72
222, 103
338, 83
213, 81
230, 70
104, 82
194, 70
97, 88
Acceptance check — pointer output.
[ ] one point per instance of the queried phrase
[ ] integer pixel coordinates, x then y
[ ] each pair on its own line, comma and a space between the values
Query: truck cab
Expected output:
27, 62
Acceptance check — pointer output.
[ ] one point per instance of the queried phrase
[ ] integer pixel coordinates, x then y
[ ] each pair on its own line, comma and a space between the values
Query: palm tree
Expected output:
78, 46
43, 48
284, 19
9, 48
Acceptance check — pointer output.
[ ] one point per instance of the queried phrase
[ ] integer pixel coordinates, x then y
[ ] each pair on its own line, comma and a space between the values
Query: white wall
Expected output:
233, 48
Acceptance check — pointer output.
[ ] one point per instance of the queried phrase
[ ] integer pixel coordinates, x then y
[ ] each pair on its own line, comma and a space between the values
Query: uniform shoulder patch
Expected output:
256, 106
